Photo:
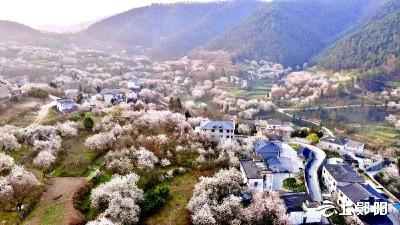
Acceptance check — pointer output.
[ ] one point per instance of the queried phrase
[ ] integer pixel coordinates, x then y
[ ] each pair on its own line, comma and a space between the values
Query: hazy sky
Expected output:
66, 12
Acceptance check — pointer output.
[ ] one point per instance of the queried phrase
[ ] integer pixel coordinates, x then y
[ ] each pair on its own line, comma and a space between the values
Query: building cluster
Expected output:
275, 161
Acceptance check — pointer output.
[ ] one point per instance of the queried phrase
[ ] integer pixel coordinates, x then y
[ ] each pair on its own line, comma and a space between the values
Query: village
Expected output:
306, 164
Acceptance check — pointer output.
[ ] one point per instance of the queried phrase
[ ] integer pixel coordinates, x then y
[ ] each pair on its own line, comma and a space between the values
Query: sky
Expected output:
36, 13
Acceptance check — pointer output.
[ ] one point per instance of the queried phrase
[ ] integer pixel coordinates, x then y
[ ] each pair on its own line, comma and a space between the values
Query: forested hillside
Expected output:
15, 31
172, 29
369, 45
291, 32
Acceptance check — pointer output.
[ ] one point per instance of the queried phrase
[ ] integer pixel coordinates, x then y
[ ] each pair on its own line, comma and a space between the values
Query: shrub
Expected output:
313, 138
154, 200
88, 123
39, 93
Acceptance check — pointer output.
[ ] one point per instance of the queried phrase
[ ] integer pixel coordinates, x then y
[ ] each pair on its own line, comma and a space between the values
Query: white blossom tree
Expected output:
145, 159
119, 199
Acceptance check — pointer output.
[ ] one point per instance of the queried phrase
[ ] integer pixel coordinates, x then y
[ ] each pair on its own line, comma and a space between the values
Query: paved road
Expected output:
311, 171
326, 130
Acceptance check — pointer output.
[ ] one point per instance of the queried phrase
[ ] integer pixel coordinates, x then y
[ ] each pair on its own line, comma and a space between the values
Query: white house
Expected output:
130, 96
256, 175
349, 195
111, 96
337, 175
133, 84
4, 92
219, 129
277, 127
66, 105
341, 145
302, 209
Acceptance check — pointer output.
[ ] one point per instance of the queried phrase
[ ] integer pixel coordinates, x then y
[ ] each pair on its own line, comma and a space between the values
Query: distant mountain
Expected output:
368, 45
290, 32
72, 28
172, 29
12, 31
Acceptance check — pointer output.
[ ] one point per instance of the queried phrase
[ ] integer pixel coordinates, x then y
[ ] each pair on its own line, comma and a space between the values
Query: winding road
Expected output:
327, 131
313, 164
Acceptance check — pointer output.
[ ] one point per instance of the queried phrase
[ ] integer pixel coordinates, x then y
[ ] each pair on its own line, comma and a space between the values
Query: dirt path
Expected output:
56, 205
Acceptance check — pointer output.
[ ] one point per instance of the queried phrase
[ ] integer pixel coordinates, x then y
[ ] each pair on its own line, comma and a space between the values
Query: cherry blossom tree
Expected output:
100, 141
145, 159
44, 159
165, 162
119, 199
267, 208
67, 129
9, 141
6, 164
244, 129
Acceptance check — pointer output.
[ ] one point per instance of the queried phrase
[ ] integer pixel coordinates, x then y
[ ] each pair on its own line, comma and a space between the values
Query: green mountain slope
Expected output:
172, 29
368, 45
291, 32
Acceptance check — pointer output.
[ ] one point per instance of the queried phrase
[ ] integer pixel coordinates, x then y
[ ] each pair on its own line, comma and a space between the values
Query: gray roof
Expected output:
65, 101
342, 141
294, 201
280, 164
266, 149
224, 125
333, 140
110, 91
344, 173
361, 192
252, 171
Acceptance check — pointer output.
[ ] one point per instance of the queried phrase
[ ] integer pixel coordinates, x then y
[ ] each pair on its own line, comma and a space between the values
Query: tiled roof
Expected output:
252, 171
294, 201
224, 125
344, 173
65, 101
280, 164
361, 192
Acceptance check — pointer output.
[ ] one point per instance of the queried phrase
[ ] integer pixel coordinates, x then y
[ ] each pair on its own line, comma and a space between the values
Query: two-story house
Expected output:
301, 209
66, 105
256, 175
337, 175
219, 129
341, 145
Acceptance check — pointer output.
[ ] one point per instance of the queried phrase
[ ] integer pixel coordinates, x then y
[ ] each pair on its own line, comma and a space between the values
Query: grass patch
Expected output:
294, 184
174, 210
332, 154
296, 147
256, 91
76, 160
53, 214
8, 218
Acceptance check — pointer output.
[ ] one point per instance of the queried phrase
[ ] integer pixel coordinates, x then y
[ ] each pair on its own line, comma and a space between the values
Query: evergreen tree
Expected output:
98, 89
178, 103
88, 123
171, 104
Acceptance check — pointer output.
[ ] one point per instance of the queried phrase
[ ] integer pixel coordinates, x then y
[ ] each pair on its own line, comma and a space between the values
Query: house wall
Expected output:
256, 185
344, 201
65, 107
219, 133
312, 215
296, 217
328, 180
108, 97
360, 149
331, 146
